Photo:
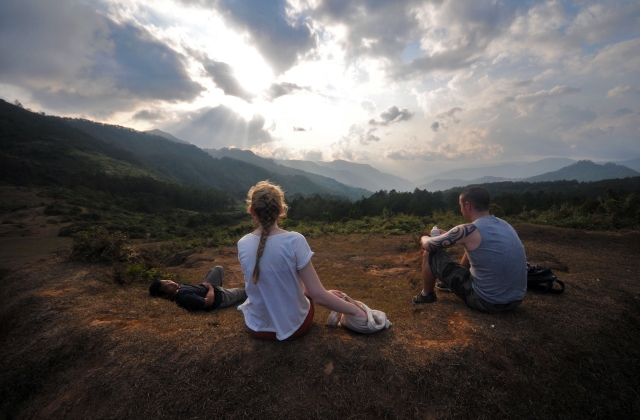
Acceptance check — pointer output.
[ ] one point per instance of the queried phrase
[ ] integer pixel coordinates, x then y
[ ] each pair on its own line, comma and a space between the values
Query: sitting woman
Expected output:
280, 280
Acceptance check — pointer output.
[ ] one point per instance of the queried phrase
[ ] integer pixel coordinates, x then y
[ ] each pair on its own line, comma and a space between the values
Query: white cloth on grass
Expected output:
376, 320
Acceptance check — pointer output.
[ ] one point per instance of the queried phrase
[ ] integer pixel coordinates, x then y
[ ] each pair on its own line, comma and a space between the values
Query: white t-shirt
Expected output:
277, 303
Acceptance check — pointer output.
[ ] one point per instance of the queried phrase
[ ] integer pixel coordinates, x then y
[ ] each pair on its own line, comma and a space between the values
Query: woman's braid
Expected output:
267, 201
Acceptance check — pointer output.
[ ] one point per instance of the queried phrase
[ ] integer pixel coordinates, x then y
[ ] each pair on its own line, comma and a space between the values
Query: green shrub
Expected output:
98, 245
55, 209
496, 210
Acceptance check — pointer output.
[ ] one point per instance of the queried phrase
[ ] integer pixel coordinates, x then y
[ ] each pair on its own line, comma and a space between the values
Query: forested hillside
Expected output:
48, 150
331, 184
617, 200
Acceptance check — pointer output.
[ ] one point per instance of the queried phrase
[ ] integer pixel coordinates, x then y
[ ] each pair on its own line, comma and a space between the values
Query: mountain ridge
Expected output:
585, 171
359, 175
269, 164
51, 150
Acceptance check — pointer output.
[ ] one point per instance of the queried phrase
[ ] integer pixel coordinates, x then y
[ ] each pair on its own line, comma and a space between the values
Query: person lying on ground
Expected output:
279, 278
492, 275
206, 296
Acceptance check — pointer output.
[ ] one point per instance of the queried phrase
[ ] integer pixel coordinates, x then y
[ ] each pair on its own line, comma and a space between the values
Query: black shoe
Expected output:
442, 286
420, 298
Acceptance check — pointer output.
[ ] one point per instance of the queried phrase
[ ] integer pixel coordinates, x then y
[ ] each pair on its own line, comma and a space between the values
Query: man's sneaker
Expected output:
420, 298
442, 286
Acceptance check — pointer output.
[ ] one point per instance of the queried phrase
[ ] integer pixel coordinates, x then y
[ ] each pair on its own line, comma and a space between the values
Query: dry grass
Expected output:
74, 345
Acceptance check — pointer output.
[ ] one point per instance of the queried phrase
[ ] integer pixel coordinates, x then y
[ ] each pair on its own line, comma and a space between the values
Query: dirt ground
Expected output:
75, 345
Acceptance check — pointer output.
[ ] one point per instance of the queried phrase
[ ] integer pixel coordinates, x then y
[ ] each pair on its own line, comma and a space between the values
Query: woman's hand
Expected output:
359, 312
337, 293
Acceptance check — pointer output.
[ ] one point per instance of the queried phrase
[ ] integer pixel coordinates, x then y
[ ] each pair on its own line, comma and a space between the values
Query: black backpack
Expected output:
540, 279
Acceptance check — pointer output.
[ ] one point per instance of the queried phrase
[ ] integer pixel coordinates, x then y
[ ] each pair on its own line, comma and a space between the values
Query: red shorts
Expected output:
303, 330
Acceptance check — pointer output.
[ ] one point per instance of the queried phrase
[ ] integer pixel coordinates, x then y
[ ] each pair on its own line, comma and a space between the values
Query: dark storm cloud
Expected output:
392, 115
277, 90
74, 59
280, 40
146, 67
221, 127
47, 40
223, 76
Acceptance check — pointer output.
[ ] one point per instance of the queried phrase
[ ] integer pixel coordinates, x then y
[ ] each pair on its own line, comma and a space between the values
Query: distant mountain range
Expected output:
355, 174
48, 150
511, 170
270, 165
368, 178
633, 164
584, 170
445, 184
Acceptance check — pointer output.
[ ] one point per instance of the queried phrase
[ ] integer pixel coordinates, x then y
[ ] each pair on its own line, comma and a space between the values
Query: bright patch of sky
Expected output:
411, 87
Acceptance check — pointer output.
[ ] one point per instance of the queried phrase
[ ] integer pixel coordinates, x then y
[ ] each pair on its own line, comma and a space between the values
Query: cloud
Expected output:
145, 67
361, 135
444, 119
546, 94
622, 58
602, 22
368, 106
454, 35
378, 29
622, 112
472, 143
277, 90
392, 115
281, 38
528, 102
148, 115
220, 127
619, 91
270, 151
223, 76
312, 155
71, 58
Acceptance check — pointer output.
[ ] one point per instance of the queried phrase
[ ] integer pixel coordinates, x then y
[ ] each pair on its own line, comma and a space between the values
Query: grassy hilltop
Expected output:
76, 345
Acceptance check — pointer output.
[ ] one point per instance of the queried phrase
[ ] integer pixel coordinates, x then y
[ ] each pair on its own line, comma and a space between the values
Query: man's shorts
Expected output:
459, 280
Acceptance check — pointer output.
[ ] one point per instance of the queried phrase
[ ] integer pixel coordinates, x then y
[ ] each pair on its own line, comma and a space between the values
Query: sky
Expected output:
409, 87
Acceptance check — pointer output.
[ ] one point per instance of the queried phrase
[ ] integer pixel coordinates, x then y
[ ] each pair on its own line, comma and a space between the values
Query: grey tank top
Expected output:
499, 264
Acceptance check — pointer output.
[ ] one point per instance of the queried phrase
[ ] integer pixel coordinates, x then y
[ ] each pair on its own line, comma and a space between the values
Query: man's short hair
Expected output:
478, 197
156, 289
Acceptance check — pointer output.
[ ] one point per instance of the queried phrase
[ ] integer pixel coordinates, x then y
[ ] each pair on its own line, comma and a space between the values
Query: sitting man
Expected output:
207, 296
492, 275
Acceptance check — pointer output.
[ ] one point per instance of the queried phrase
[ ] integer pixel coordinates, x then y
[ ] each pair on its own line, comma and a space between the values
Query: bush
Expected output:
97, 245
496, 210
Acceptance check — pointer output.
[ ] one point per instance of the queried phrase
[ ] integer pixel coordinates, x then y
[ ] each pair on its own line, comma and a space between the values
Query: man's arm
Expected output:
457, 236
208, 299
